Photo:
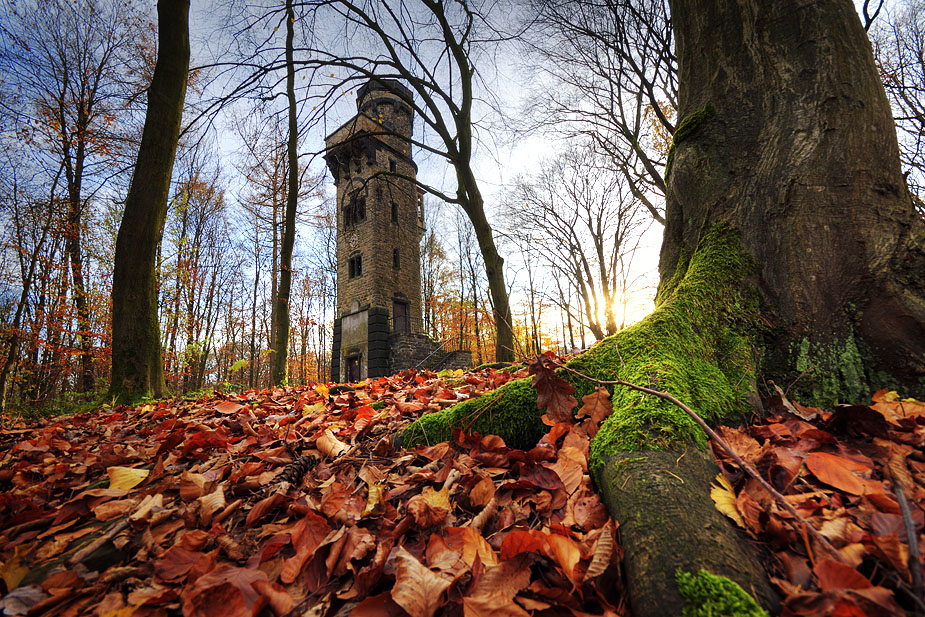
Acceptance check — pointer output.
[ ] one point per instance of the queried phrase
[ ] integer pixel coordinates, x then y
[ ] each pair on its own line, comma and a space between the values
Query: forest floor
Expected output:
300, 501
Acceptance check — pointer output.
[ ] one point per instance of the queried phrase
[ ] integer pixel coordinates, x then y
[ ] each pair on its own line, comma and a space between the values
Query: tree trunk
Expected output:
137, 369
494, 270
788, 137
281, 309
791, 245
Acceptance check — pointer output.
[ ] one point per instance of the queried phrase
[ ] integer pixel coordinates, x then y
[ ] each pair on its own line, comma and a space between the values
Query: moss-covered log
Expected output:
698, 345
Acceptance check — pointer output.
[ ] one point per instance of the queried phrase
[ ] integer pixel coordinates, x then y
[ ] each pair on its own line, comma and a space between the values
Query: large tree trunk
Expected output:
791, 246
790, 140
137, 369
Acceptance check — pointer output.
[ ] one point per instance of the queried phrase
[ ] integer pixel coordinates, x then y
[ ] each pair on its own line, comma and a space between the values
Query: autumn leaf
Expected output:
837, 471
834, 575
126, 477
596, 405
492, 605
724, 497
417, 590
329, 445
553, 393
225, 592
566, 553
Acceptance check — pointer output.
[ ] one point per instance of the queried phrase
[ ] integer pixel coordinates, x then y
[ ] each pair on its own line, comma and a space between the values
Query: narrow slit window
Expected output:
392, 166
396, 259
394, 212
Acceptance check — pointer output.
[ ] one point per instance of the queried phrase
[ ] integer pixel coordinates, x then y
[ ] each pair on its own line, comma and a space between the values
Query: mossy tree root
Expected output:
700, 345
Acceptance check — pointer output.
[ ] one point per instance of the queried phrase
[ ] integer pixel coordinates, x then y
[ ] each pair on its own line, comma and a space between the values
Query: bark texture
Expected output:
787, 136
657, 496
137, 369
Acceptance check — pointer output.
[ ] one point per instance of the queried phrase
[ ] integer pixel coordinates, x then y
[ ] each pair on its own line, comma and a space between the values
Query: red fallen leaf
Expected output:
430, 508
279, 600
225, 592
354, 545
417, 590
742, 444
553, 393
227, 407
377, 606
307, 535
471, 544
205, 441
520, 541
831, 574
837, 471
506, 579
566, 553
263, 507
175, 563
492, 605
333, 499
441, 557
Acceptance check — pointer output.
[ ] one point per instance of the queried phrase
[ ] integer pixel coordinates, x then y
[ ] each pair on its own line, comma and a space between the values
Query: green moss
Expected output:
690, 126
378, 405
709, 595
509, 411
696, 346
827, 373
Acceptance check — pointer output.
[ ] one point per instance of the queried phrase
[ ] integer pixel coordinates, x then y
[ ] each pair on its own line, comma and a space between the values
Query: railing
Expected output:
442, 345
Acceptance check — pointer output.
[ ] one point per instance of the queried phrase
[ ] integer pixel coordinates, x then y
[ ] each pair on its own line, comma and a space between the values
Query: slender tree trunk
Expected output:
494, 270
137, 368
281, 353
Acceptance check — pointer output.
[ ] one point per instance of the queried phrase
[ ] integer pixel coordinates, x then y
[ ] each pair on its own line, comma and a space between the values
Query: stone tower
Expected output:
379, 227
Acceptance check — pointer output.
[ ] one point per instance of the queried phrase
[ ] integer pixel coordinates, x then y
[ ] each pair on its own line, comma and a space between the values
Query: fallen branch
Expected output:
822, 540
90, 548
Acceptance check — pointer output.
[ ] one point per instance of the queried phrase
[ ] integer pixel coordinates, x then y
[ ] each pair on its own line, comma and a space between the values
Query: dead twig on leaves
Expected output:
780, 499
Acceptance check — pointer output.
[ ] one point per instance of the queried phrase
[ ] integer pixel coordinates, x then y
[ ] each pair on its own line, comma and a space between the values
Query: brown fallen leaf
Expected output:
417, 590
492, 605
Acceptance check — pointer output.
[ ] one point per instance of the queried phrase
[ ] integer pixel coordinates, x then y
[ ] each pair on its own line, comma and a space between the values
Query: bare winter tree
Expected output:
899, 45
608, 73
586, 223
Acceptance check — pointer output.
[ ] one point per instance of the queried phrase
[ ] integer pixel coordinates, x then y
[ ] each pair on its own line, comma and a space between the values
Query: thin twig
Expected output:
823, 541
915, 565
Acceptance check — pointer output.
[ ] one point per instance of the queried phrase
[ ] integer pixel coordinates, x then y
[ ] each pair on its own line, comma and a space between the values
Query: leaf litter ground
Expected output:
300, 501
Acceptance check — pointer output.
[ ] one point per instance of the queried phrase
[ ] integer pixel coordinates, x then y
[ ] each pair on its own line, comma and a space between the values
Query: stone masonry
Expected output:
380, 221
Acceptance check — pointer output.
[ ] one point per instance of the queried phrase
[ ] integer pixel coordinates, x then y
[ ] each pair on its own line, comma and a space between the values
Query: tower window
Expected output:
396, 260
355, 211
392, 166
355, 266
394, 212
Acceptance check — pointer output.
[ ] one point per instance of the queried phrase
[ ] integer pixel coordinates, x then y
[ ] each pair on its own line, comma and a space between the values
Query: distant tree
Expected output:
899, 46
69, 68
586, 224
607, 72
137, 368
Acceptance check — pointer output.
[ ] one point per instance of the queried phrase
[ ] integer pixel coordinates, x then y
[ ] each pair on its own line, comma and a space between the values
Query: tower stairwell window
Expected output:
396, 259
355, 210
355, 266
